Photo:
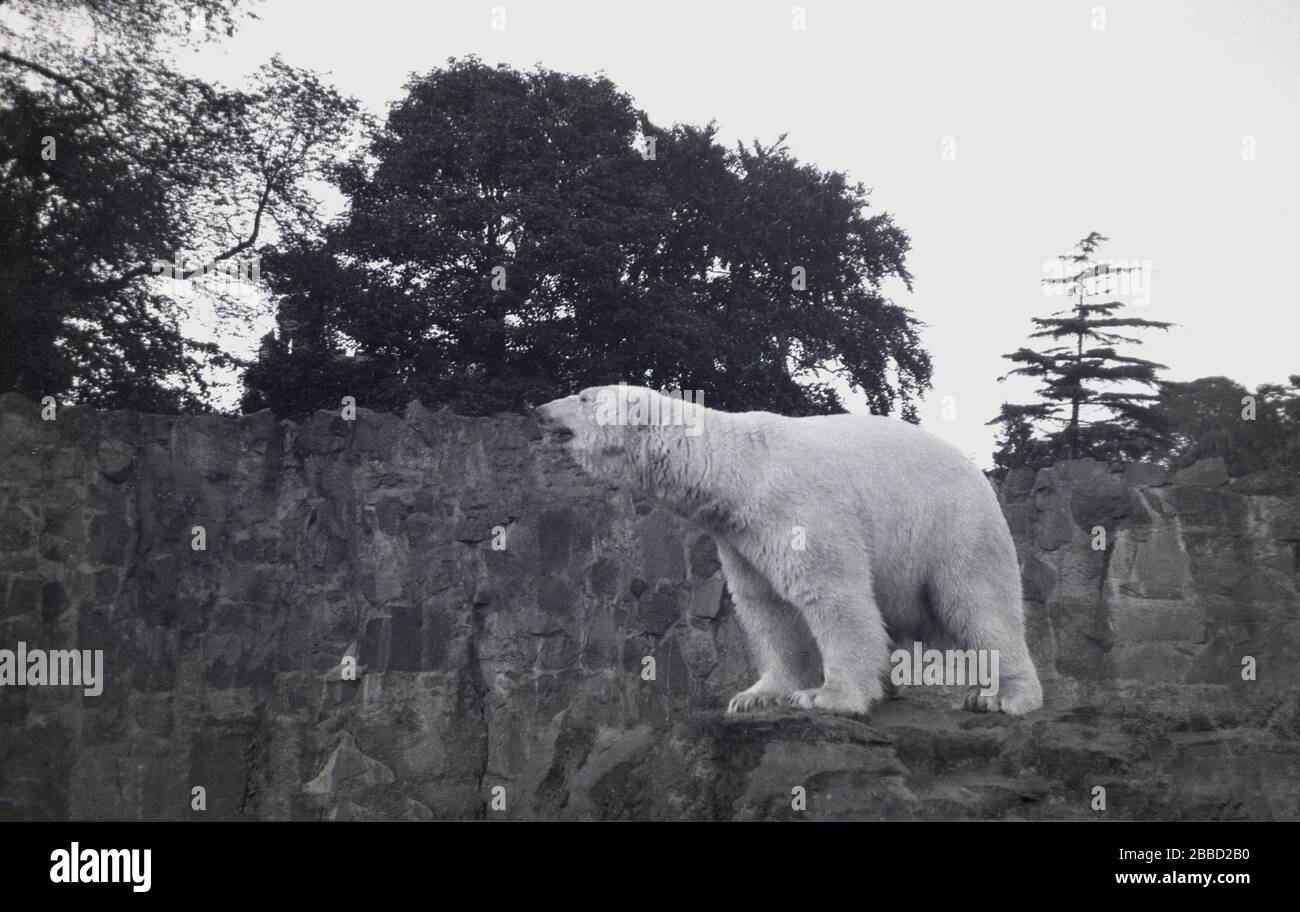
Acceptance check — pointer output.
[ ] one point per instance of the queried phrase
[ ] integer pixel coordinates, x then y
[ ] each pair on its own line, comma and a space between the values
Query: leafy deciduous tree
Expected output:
113, 161
512, 236
1215, 416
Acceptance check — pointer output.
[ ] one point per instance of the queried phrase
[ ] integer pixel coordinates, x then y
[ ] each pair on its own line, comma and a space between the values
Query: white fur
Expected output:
903, 536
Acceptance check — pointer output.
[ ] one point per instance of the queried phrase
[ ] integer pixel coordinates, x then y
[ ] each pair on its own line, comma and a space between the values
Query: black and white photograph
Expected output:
547, 411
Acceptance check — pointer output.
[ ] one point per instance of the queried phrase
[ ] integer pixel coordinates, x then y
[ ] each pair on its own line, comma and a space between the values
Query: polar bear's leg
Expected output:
779, 641
854, 644
1019, 690
983, 611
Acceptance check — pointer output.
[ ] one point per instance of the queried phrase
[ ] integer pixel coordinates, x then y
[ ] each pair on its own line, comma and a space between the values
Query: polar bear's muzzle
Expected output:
554, 429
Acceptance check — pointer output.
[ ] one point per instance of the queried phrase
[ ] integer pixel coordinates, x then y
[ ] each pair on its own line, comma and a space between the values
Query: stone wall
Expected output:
501, 608
1188, 575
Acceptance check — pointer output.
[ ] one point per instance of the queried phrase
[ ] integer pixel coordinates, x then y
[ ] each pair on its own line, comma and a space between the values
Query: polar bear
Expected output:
834, 533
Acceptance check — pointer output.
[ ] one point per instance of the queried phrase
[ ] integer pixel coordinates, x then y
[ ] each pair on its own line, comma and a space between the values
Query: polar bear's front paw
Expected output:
1015, 697
756, 699
831, 698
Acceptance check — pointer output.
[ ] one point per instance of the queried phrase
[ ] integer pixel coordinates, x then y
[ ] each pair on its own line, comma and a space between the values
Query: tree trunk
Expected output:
1074, 399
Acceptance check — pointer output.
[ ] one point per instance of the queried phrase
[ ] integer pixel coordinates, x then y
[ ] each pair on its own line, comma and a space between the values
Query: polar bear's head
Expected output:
615, 432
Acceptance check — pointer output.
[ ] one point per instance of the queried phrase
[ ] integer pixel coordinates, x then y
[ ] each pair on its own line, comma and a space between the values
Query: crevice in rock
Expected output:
479, 693
573, 746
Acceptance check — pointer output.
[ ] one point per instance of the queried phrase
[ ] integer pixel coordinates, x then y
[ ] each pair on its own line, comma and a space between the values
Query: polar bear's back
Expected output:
875, 455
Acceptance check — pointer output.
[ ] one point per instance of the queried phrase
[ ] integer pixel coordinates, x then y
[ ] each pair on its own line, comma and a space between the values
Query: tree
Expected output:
1215, 416
513, 236
113, 162
1092, 397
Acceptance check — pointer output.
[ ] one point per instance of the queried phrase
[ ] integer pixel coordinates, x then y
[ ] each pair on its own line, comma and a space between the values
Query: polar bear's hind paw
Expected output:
1016, 697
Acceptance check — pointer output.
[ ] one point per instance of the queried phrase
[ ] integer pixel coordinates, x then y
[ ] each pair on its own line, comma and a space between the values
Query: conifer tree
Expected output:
1094, 399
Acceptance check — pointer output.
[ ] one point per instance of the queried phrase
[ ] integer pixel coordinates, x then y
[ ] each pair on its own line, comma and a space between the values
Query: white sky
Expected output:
1134, 130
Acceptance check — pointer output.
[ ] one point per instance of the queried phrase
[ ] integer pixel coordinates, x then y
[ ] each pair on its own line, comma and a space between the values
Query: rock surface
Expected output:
427, 618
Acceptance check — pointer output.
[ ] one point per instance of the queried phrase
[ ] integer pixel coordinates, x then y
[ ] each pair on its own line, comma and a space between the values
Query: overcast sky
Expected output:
1171, 127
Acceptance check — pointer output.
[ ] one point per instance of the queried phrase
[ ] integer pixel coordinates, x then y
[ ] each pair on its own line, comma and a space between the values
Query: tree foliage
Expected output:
112, 161
512, 236
1094, 399
1215, 416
